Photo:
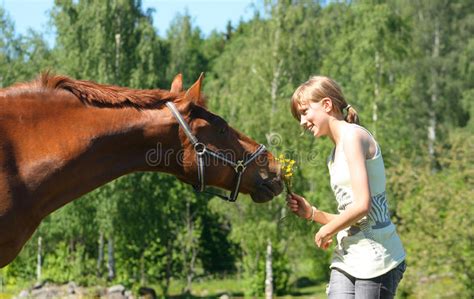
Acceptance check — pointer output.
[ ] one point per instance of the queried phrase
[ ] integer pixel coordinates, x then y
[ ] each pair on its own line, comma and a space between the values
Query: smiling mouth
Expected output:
310, 128
307, 129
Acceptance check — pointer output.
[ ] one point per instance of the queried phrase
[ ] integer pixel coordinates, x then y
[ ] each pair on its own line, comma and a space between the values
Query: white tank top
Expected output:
371, 247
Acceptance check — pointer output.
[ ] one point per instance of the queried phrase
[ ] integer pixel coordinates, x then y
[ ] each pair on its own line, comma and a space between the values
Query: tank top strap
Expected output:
341, 144
377, 149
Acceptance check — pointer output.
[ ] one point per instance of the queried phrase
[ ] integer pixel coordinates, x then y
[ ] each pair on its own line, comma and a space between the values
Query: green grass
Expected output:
7, 292
213, 288
5, 296
208, 288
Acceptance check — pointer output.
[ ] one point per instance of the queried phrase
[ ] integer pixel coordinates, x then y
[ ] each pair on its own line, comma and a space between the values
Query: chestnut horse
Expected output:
61, 138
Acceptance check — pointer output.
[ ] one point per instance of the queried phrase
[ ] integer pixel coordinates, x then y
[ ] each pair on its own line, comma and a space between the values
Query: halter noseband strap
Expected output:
201, 150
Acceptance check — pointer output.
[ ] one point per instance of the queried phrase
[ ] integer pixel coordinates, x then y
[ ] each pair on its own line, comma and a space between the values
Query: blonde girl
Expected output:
369, 259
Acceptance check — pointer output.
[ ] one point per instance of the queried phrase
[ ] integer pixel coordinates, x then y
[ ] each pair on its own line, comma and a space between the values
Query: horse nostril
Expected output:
263, 174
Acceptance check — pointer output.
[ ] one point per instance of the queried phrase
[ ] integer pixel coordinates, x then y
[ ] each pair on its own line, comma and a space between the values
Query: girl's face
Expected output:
314, 118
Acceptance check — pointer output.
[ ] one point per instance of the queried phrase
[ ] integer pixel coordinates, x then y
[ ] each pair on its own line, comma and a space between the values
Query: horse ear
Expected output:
194, 93
177, 84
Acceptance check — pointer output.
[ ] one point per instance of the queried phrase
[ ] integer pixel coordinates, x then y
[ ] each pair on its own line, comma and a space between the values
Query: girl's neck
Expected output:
335, 127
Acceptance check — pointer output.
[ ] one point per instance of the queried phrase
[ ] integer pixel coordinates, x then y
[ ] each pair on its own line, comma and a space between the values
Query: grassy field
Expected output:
212, 289
235, 289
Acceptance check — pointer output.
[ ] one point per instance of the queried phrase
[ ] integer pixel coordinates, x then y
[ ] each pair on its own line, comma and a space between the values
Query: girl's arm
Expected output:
323, 217
355, 152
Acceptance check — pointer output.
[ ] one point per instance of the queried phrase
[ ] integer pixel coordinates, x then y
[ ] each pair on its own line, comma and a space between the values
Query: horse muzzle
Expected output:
267, 190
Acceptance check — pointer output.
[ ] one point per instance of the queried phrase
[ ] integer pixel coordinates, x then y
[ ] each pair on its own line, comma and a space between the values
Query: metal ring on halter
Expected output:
200, 148
240, 164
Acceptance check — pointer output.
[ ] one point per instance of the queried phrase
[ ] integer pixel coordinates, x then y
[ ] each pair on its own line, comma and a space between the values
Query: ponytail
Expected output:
351, 115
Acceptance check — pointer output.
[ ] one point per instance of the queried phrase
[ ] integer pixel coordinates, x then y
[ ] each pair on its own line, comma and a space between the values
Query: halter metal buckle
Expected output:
240, 164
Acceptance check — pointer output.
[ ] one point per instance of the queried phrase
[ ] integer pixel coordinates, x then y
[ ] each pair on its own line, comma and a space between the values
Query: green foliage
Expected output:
108, 41
21, 269
254, 275
21, 57
185, 53
280, 266
68, 264
217, 253
438, 241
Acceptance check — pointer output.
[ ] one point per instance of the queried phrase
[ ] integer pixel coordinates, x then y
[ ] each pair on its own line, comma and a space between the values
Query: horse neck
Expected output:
67, 149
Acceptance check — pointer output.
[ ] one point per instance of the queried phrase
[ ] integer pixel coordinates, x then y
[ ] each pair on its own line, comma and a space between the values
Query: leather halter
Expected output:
201, 150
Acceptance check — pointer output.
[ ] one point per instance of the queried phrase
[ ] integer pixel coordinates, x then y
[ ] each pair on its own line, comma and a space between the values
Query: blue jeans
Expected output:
344, 286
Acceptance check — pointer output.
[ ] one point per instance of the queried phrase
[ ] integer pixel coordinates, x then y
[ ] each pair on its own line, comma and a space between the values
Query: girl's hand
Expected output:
298, 205
322, 238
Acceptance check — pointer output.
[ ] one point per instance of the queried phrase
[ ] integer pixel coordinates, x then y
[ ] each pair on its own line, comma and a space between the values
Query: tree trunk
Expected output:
269, 272
111, 260
275, 86
142, 269
39, 260
191, 271
434, 95
169, 267
191, 249
100, 257
117, 57
378, 75
278, 61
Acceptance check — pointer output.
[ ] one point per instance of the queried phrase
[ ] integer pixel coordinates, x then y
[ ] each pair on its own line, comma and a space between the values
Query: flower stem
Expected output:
288, 187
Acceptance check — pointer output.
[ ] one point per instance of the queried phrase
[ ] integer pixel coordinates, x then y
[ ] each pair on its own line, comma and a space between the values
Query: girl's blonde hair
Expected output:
318, 88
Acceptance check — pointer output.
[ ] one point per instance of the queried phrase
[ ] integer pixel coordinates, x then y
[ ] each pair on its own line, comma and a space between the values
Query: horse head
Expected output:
225, 157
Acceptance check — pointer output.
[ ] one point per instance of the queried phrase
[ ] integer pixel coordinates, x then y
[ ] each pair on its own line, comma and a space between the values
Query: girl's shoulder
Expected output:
354, 132
357, 135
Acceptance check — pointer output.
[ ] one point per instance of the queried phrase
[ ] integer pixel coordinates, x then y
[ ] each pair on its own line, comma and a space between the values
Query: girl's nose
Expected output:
302, 121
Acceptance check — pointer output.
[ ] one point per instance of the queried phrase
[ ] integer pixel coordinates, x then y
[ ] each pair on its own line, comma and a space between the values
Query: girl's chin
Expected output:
315, 133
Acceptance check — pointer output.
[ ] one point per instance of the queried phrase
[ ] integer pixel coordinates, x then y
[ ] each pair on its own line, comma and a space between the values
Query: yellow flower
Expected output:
286, 170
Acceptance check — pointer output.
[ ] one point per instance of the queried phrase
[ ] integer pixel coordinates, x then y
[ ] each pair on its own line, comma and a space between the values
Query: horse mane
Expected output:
91, 93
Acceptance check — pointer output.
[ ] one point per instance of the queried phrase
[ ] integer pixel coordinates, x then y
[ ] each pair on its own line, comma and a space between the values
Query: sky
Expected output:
206, 14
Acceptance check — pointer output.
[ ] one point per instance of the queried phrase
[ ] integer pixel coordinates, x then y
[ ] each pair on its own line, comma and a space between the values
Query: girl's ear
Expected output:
327, 104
